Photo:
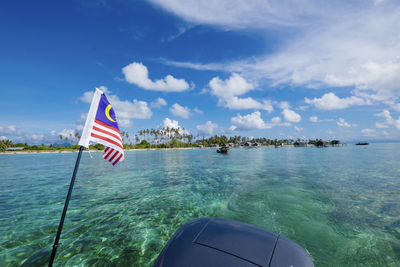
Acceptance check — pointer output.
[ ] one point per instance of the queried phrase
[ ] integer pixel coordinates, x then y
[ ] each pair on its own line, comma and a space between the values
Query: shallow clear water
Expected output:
341, 203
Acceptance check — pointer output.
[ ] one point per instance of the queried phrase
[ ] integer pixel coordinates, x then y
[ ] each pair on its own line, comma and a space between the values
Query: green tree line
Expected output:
164, 138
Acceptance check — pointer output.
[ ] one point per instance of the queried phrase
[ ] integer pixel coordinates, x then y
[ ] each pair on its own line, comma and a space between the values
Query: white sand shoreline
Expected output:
91, 151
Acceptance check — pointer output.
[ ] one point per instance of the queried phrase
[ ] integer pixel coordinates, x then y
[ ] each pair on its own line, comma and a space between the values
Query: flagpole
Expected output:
60, 226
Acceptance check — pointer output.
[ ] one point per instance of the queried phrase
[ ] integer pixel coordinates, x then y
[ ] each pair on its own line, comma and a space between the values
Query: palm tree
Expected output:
77, 136
140, 134
189, 138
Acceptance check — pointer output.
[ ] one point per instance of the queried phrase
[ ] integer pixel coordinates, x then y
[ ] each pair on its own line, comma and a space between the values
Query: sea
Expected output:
342, 204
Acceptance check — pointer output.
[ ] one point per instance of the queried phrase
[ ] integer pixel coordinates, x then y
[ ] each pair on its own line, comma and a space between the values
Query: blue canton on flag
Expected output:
101, 127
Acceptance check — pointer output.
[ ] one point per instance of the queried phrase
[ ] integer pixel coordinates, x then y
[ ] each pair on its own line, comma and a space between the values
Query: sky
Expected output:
257, 68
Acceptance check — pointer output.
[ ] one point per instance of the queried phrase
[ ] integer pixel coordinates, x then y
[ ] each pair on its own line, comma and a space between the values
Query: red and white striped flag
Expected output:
101, 127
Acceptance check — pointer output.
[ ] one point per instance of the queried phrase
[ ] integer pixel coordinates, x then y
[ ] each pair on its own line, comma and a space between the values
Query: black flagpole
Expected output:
60, 226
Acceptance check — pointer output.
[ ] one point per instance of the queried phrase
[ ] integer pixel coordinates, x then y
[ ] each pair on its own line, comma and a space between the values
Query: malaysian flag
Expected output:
101, 127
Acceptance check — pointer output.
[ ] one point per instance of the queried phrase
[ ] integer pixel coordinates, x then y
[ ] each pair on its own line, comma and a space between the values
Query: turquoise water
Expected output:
341, 203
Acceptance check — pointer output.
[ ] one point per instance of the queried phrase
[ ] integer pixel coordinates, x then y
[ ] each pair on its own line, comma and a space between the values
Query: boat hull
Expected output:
219, 242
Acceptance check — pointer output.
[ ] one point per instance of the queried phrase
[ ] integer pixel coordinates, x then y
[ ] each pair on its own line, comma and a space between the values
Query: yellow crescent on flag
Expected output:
108, 113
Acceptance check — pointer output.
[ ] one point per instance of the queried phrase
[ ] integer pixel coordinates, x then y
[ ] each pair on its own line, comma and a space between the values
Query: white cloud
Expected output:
228, 91
254, 121
284, 105
88, 96
3, 137
303, 107
369, 132
15, 134
81, 122
381, 125
239, 14
158, 103
314, 118
330, 132
125, 110
180, 111
137, 73
372, 133
299, 129
232, 128
234, 86
173, 124
180, 31
350, 44
276, 120
389, 120
198, 111
330, 101
342, 123
251, 121
291, 116
209, 128
9, 130
36, 137
67, 133
170, 123
248, 103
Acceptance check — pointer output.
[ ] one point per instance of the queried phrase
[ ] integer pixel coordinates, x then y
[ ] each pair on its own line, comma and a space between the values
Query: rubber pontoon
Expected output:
218, 242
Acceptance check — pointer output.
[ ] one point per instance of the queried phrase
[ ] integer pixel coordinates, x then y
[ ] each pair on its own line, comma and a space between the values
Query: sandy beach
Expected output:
92, 151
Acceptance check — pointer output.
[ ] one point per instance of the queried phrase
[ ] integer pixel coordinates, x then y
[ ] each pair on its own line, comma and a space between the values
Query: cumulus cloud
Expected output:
180, 111
314, 119
168, 123
276, 120
125, 110
137, 73
299, 129
342, 123
284, 105
233, 86
228, 91
330, 101
389, 121
209, 128
158, 103
254, 121
198, 111
291, 116
173, 124
251, 121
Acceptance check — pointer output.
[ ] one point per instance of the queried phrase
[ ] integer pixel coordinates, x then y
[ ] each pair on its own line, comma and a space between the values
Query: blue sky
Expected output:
277, 69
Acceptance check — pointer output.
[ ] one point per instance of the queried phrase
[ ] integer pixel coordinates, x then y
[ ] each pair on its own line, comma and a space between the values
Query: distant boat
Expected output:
223, 150
278, 145
362, 144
